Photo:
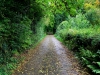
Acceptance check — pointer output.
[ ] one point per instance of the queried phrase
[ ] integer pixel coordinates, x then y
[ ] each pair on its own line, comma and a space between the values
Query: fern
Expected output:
85, 61
98, 63
94, 69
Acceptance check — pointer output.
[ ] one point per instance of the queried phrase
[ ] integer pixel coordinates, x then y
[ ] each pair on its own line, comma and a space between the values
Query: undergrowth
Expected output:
82, 38
12, 64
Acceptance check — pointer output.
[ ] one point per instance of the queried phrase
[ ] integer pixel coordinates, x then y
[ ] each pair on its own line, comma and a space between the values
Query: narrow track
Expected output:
51, 58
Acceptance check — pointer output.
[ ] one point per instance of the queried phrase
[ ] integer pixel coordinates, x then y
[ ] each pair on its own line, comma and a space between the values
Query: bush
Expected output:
83, 39
86, 43
78, 22
93, 15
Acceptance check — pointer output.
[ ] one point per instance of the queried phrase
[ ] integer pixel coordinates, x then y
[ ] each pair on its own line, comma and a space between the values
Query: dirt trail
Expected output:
51, 58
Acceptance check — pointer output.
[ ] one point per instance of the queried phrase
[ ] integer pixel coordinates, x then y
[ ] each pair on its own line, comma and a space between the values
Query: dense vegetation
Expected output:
23, 23
82, 34
21, 27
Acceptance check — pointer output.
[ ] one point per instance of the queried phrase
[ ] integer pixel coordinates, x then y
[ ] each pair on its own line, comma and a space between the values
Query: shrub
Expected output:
78, 22
83, 39
93, 16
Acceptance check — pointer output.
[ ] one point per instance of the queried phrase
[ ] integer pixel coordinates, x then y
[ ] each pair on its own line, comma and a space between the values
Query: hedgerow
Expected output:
83, 38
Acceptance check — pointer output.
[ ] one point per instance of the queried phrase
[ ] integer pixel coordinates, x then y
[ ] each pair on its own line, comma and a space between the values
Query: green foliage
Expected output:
80, 32
9, 67
73, 7
78, 22
19, 30
86, 53
93, 16
97, 71
83, 38
85, 42
41, 29
98, 63
23, 23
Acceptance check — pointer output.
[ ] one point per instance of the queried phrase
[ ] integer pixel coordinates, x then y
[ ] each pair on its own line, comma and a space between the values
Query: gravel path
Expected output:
51, 58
